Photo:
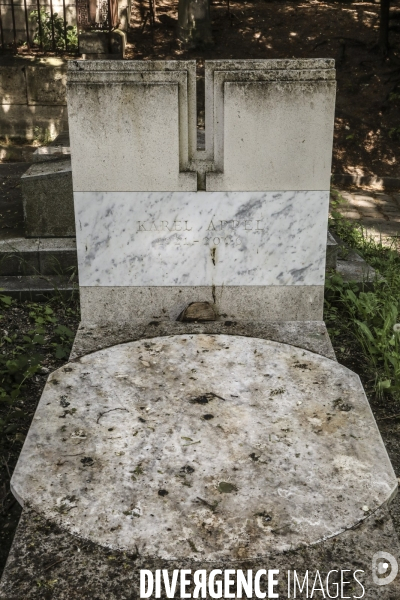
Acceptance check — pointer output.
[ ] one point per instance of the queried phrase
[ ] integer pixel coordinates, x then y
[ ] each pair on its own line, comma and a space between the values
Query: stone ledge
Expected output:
47, 562
310, 335
36, 288
34, 256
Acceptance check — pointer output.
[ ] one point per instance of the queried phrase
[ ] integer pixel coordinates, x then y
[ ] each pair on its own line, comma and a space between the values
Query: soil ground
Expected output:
17, 320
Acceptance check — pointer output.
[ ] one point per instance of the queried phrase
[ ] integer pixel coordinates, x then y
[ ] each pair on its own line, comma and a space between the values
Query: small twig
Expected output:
6, 465
212, 507
391, 417
108, 411
53, 564
65, 455
144, 23
216, 396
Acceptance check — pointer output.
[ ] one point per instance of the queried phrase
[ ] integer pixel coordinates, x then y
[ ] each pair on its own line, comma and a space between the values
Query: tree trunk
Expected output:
384, 27
194, 23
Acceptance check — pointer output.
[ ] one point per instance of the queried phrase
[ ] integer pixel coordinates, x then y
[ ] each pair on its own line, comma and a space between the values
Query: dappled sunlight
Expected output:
367, 125
367, 109
377, 211
372, 138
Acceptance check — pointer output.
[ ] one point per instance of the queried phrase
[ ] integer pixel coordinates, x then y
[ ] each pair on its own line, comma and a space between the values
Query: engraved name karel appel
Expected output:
218, 231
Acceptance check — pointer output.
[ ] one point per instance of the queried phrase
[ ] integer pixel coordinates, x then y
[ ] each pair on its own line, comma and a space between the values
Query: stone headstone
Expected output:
150, 240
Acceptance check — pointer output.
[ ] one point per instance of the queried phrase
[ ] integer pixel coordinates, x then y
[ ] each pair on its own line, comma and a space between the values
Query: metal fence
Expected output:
52, 25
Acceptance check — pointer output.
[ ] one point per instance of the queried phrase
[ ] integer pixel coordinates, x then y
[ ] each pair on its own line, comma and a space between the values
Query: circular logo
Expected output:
384, 568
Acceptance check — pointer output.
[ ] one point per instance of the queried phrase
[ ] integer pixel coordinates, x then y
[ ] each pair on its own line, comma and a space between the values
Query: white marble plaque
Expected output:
201, 238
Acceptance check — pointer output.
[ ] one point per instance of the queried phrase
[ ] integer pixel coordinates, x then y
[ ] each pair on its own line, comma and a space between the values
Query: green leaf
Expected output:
365, 330
11, 428
60, 352
384, 385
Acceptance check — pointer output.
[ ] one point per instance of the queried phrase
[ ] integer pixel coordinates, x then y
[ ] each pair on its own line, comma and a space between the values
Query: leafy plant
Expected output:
394, 133
21, 357
44, 33
41, 136
371, 316
394, 96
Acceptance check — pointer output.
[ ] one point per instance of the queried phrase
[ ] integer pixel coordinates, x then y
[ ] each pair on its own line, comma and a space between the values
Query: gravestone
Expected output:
48, 200
266, 188
238, 443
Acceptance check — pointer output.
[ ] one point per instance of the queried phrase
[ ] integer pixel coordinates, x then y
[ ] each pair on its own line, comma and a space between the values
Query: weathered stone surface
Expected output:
32, 95
291, 69
332, 250
58, 148
246, 100
97, 43
309, 335
357, 270
44, 153
154, 70
48, 563
45, 256
198, 311
122, 450
292, 122
109, 154
19, 256
249, 303
58, 256
48, 200
46, 82
23, 121
12, 82
37, 288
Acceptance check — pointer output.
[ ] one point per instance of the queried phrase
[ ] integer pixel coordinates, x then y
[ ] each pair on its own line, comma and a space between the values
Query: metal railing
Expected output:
52, 25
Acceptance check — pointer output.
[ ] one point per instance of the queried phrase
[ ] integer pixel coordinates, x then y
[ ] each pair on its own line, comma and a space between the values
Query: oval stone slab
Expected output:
204, 446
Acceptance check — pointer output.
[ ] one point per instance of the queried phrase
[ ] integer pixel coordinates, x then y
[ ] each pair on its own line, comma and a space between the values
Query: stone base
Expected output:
310, 335
259, 303
48, 199
46, 562
59, 148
